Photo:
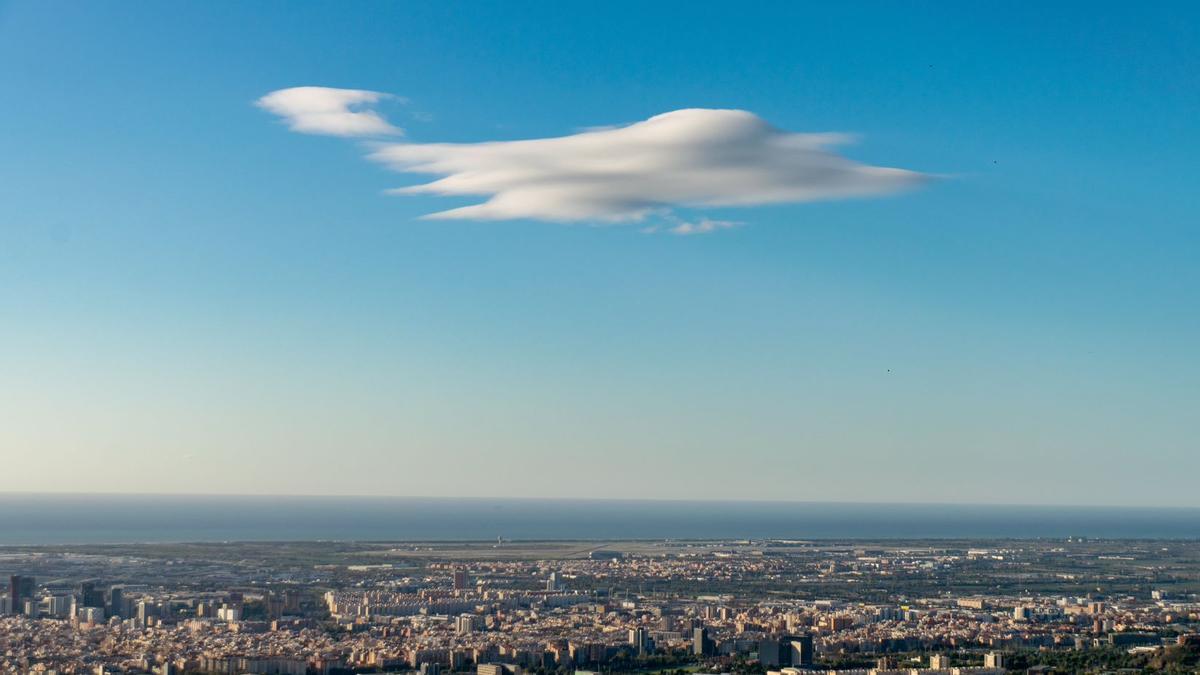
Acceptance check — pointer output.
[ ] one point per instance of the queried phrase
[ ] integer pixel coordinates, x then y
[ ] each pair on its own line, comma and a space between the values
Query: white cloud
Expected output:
328, 111
669, 223
704, 226
688, 158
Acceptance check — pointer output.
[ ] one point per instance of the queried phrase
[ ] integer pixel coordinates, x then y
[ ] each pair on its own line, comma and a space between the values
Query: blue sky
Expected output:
195, 299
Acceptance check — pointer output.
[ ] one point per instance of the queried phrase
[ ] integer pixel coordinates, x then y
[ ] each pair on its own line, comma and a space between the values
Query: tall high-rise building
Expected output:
939, 662
771, 653
639, 639
466, 623
59, 606
90, 596
20, 589
116, 601
275, 605
801, 650
460, 580
993, 660
91, 615
145, 613
552, 583
702, 645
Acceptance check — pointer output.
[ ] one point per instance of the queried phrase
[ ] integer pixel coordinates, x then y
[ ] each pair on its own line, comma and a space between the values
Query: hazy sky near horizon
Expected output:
196, 298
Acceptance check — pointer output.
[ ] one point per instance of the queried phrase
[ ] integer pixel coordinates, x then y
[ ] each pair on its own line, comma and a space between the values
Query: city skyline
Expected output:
764, 607
881, 253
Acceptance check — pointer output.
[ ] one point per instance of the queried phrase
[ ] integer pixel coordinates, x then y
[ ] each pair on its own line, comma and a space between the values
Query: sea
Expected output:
45, 519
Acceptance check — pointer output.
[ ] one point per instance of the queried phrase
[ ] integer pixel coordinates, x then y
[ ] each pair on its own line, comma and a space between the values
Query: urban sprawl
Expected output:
670, 607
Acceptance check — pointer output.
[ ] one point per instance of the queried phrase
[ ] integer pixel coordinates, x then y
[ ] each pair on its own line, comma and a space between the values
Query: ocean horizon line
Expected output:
588, 500
75, 518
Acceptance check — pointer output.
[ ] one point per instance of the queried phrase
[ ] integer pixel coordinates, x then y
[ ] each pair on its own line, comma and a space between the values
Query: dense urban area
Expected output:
670, 607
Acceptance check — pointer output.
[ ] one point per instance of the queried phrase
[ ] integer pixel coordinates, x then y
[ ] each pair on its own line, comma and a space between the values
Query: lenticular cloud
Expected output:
687, 158
691, 158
